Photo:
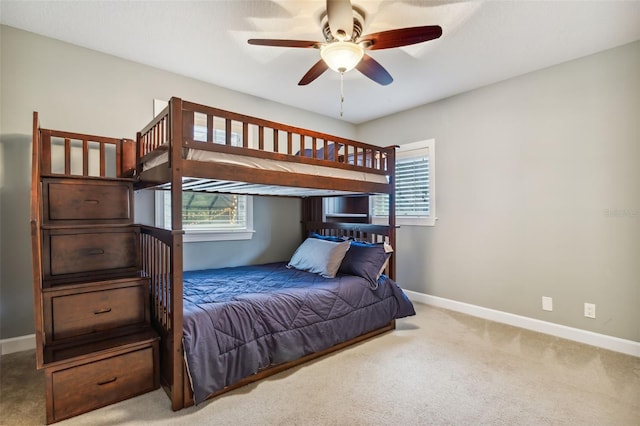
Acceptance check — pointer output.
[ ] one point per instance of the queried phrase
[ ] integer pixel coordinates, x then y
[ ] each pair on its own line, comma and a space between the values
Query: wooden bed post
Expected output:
138, 165
175, 145
36, 248
391, 167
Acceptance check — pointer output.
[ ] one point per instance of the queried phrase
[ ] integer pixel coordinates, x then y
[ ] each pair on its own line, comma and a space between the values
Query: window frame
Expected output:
207, 233
410, 150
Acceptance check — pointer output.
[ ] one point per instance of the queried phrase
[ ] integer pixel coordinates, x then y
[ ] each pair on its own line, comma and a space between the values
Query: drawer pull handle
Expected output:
94, 251
102, 311
106, 382
92, 201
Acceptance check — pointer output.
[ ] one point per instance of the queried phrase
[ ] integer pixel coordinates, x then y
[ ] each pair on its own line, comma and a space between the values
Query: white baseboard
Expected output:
611, 343
629, 347
17, 344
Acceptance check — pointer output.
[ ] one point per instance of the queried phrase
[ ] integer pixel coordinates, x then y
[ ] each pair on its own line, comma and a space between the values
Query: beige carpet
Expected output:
438, 368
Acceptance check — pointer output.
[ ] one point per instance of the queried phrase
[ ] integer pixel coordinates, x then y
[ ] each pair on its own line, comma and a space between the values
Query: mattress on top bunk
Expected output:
240, 320
268, 164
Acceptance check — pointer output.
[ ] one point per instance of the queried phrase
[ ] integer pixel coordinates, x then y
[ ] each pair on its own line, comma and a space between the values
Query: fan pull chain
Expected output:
341, 94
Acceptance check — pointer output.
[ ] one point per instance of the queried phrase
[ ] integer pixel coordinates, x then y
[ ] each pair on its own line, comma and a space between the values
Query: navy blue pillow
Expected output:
327, 237
364, 260
331, 152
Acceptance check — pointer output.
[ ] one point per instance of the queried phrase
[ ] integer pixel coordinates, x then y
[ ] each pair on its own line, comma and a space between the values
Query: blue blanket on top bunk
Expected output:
238, 321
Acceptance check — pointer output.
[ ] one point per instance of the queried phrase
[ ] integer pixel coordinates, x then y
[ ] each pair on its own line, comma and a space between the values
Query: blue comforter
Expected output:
238, 321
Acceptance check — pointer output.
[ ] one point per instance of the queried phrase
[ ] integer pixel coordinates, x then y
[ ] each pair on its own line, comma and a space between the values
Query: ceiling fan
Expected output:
344, 48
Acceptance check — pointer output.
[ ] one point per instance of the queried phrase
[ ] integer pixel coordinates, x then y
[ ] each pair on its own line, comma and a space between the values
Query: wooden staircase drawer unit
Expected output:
74, 253
73, 313
77, 202
88, 386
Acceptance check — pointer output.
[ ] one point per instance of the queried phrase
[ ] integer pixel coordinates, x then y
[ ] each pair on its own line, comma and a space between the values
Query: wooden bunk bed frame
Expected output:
161, 250
172, 132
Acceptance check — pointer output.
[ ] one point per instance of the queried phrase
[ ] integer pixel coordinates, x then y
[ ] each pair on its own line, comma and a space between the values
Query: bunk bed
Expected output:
189, 146
192, 147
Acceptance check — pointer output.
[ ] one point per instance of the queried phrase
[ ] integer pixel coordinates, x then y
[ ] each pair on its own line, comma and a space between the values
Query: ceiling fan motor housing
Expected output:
356, 32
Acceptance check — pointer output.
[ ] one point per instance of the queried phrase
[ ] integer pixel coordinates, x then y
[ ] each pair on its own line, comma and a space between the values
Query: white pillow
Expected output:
319, 256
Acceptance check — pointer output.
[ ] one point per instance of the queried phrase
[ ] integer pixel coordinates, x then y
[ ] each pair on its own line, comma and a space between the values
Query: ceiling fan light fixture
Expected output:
342, 56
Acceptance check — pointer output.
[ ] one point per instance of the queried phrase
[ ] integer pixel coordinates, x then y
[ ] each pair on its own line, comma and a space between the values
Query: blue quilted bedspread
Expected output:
238, 321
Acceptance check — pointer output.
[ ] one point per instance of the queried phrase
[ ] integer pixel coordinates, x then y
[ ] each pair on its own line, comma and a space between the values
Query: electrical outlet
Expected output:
590, 310
547, 303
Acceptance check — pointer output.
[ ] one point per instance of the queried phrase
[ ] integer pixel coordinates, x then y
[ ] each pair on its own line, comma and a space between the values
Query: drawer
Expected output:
69, 253
76, 202
95, 384
92, 310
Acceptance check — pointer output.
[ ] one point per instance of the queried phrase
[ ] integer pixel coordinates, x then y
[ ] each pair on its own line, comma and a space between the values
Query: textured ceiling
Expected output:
483, 42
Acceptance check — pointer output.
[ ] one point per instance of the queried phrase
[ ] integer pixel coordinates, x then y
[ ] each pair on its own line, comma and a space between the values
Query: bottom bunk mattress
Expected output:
240, 320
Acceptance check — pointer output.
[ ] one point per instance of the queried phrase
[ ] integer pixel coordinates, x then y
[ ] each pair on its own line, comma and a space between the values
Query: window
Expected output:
209, 216
415, 187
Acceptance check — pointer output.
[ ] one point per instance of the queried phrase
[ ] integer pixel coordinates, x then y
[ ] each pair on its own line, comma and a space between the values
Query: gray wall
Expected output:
85, 91
278, 234
538, 194
538, 190
16, 300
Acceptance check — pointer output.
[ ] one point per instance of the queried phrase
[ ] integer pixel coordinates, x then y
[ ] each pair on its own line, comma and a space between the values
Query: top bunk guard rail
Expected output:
215, 130
70, 154
154, 136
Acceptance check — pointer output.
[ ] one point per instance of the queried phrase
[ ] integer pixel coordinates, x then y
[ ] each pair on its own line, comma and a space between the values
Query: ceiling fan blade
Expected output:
340, 17
401, 37
372, 69
313, 73
282, 43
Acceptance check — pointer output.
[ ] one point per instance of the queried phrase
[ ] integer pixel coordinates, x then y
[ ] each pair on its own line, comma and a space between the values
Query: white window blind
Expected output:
415, 200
